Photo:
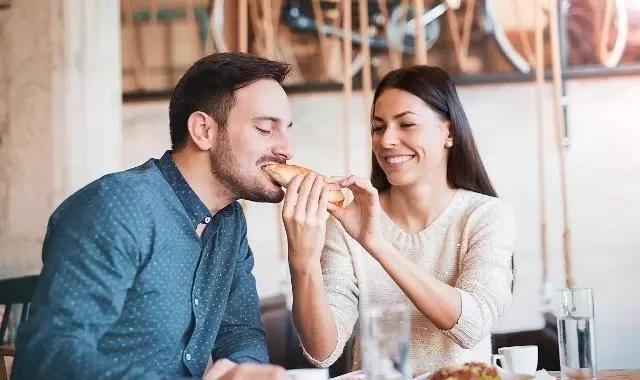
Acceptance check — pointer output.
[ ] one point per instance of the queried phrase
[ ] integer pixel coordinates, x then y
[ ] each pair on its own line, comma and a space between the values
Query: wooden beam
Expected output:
267, 22
539, 66
559, 104
347, 84
243, 26
420, 42
365, 51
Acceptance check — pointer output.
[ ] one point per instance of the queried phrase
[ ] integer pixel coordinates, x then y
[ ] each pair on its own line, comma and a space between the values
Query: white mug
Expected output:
309, 374
517, 359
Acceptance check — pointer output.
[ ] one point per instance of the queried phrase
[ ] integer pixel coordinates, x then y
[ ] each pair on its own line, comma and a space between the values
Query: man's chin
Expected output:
275, 195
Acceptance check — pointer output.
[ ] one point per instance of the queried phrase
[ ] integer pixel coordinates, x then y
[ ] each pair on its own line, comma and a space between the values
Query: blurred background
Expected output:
551, 89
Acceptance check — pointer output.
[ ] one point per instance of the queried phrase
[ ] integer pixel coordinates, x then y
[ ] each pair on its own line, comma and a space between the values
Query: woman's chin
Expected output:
399, 180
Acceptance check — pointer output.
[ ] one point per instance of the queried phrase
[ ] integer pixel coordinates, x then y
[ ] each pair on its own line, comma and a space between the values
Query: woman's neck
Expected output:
414, 207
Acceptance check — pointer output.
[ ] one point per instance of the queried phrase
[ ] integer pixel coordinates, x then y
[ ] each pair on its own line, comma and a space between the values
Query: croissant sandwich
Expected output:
466, 371
283, 174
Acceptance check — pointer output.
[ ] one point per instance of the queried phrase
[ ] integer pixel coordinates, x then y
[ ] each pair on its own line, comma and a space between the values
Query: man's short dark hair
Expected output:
209, 85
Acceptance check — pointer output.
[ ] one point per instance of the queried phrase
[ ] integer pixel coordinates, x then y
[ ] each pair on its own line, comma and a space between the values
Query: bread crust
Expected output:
284, 173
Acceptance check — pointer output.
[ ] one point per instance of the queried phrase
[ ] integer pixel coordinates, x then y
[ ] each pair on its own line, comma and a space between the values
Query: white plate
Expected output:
309, 373
359, 375
355, 375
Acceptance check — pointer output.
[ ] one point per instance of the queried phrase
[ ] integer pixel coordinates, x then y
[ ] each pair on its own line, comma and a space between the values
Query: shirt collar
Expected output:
197, 211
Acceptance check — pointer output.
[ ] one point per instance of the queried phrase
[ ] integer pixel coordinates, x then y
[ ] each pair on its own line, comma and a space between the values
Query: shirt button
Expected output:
196, 301
188, 356
207, 220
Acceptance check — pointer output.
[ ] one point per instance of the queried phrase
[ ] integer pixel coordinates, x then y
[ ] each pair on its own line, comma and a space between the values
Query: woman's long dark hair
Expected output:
432, 84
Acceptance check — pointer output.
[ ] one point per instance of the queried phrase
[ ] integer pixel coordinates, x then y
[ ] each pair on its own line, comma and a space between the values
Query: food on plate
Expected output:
467, 371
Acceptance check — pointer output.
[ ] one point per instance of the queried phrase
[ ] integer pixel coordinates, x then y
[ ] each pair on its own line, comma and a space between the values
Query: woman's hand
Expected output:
305, 216
361, 218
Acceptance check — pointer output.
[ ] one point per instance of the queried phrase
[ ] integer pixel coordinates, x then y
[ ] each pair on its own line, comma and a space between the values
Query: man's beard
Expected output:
228, 171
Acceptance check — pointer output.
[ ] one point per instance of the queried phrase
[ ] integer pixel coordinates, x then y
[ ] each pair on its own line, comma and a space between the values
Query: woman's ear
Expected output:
448, 143
202, 130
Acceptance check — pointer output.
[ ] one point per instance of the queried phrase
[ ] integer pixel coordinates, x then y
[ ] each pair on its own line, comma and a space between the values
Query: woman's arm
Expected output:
312, 315
436, 300
465, 311
324, 304
468, 310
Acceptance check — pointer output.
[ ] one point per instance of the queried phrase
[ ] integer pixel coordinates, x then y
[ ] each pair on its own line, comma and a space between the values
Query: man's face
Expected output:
256, 134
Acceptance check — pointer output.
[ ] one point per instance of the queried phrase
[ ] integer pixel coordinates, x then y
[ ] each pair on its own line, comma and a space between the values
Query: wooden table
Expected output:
611, 374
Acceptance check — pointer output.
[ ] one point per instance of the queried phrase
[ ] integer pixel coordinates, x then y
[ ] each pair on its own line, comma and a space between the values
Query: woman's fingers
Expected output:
307, 197
324, 204
359, 185
314, 197
291, 196
303, 196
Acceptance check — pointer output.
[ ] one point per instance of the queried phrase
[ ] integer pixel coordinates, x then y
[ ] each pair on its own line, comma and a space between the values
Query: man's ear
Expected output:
203, 130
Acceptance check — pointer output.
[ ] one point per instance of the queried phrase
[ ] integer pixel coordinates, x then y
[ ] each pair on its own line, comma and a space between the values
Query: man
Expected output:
147, 272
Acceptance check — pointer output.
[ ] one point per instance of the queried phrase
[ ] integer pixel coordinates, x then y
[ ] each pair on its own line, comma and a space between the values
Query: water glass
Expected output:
384, 336
576, 334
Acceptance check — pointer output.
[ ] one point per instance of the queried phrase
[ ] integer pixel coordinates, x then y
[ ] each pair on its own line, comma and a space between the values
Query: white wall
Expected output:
60, 114
604, 183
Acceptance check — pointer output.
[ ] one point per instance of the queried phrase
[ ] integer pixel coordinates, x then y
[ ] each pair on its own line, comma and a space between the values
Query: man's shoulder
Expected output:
120, 190
234, 213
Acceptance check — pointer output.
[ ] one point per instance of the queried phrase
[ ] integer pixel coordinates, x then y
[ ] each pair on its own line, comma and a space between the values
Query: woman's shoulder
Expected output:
484, 208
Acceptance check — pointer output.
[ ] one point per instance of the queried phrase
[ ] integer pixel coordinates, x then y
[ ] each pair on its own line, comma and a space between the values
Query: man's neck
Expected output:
196, 170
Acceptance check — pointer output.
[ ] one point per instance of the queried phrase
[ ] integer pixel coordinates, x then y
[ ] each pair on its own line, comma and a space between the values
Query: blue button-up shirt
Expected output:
129, 289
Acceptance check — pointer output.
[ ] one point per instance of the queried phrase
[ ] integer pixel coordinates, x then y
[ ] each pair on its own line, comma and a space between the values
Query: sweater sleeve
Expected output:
486, 273
341, 288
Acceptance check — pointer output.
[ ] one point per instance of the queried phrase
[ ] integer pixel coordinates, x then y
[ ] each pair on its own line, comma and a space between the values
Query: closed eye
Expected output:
407, 125
264, 132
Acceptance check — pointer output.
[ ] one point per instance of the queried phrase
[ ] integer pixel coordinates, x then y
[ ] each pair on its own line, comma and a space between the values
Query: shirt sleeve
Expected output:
90, 258
486, 274
241, 337
341, 287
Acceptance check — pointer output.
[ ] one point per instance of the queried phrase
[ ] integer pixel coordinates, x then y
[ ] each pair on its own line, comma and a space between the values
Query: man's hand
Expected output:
245, 372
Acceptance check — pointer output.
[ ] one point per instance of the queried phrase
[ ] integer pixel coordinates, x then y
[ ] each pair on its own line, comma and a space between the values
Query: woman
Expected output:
426, 231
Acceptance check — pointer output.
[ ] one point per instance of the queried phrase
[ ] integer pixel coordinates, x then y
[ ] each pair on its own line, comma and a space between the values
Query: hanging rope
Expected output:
461, 43
363, 12
347, 85
560, 122
421, 44
395, 55
243, 26
539, 66
267, 25
324, 44
132, 48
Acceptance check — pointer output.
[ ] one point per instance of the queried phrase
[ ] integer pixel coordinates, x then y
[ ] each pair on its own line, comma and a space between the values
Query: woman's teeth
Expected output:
398, 159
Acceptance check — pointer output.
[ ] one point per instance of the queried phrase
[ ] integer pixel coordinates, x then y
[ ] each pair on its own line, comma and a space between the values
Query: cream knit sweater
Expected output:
469, 246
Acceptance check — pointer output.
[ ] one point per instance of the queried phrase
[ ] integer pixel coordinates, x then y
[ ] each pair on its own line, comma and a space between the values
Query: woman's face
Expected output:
409, 138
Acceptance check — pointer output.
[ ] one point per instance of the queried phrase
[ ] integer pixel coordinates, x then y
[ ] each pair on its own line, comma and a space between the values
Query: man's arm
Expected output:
241, 337
90, 259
